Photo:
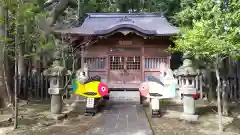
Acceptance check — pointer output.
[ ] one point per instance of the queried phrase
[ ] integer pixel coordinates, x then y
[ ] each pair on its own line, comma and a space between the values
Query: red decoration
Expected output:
196, 96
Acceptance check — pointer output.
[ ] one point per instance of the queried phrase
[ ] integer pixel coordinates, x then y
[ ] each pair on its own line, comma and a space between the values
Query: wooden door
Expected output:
124, 71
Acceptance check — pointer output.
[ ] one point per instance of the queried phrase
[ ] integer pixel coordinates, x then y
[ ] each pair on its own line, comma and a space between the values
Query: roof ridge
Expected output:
120, 15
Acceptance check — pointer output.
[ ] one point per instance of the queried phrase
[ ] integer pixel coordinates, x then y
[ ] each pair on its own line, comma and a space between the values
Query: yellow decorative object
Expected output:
93, 89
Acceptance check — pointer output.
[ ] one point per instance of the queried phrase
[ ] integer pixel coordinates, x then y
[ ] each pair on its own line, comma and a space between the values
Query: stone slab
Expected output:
123, 119
124, 96
189, 117
56, 116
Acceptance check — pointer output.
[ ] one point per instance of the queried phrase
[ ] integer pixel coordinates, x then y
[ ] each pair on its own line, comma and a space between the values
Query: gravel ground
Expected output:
170, 124
73, 126
35, 119
32, 122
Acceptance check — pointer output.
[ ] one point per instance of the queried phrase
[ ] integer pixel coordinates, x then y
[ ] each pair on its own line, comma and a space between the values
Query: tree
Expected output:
167, 7
194, 11
3, 91
212, 36
25, 42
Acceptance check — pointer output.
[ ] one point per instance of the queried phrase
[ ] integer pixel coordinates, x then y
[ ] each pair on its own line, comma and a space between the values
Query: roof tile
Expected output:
104, 23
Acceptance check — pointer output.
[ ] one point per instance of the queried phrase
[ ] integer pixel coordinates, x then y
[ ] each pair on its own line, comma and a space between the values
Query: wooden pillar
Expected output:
107, 71
143, 63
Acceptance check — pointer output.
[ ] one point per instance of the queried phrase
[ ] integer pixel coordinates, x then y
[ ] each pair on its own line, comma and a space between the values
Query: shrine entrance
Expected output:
125, 69
123, 49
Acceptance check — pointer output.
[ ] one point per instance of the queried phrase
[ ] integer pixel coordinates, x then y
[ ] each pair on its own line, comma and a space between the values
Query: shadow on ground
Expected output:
35, 119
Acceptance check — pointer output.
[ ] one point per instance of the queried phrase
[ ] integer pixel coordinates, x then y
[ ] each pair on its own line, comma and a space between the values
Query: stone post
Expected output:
187, 87
56, 74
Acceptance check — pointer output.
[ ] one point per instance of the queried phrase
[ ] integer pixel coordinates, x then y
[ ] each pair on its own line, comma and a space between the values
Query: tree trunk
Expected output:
60, 7
21, 73
23, 63
9, 80
209, 84
219, 101
225, 86
21, 70
6, 61
3, 92
8, 66
16, 72
225, 98
6, 80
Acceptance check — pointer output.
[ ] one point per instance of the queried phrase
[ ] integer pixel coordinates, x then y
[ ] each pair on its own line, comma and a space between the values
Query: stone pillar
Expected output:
189, 104
56, 104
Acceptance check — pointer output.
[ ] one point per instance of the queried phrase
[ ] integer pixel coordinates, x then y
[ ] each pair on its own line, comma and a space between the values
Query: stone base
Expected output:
57, 116
89, 114
189, 117
90, 111
156, 115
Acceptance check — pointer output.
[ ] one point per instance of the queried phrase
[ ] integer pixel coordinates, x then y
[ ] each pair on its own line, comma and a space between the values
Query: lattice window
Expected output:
116, 63
154, 62
133, 63
95, 62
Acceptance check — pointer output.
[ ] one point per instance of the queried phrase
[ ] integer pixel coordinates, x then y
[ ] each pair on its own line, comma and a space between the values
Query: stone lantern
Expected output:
56, 74
187, 87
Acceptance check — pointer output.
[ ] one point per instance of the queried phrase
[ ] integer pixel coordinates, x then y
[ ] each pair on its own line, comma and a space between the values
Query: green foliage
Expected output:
167, 7
209, 32
194, 10
32, 39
